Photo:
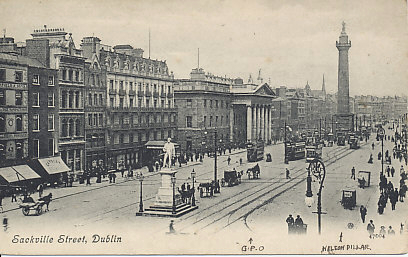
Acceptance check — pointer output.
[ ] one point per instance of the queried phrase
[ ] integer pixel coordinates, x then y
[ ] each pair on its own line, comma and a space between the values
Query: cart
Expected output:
364, 178
27, 207
348, 199
206, 189
231, 178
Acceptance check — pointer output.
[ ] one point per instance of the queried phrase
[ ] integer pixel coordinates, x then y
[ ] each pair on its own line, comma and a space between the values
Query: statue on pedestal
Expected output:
169, 150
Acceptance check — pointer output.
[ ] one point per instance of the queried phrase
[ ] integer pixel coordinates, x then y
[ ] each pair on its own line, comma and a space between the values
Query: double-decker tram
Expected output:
255, 151
313, 152
295, 150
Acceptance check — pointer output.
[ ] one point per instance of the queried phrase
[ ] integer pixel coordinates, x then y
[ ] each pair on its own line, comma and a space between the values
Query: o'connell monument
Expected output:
344, 119
168, 201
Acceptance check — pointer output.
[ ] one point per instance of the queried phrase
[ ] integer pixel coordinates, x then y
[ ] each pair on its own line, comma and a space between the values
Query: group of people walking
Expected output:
296, 226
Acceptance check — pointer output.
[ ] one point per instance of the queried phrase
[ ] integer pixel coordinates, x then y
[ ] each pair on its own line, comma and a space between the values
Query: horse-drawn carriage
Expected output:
206, 189
231, 178
254, 172
28, 204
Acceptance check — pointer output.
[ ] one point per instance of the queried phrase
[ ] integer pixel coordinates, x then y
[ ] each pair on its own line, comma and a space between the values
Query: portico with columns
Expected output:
252, 112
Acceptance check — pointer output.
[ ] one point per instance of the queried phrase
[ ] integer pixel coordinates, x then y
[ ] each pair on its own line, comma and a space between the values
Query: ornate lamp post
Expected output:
316, 167
141, 177
173, 182
381, 133
193, 175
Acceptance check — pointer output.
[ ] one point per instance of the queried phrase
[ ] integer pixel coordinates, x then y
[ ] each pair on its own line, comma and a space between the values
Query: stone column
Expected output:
253, 123
262, 122
258, 121
231, 123
267, 132
249, 123
270, 123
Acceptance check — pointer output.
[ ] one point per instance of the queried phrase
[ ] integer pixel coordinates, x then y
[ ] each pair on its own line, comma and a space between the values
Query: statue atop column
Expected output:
170, 152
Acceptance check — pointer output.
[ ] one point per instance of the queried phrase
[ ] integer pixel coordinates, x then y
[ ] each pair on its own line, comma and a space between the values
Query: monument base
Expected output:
344, 122
163, 205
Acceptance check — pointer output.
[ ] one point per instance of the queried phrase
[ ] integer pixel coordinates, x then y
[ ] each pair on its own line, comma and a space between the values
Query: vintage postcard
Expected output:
203, 127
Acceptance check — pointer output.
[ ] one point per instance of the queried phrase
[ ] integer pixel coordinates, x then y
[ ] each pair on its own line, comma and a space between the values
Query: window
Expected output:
2, 96
90, 120
36, 122
130, 102
2, 123
95, 120
77, 99
100, 119
51, 122
140, 102
216, 120
64, 99
19, 98
76, 75
70, 99
216, 103
111, 84
50, 99
130, 85
155, 103
121, 138
70, 72
169, 103
189, 121
50, 146
211, 120
169, 89
205, 121
189, 103
77, 127
211, 103
36, 79
2, 75
50, 80
222, 117
121, 85
95, 99
19, 149
71, 128
121, 102
205, 102
112, 101
162, 103
130, 137
36, 99
147, 103
64, 74
19, 122
36, 148
100, 100
90, 99
19, 76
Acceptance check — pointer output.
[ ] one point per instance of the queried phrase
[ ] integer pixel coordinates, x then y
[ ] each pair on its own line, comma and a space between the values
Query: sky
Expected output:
291, 41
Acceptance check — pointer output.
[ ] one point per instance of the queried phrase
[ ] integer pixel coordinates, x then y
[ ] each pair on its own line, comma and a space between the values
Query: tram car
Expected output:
295, 151
341, 139
330, 140
314, 152
255, 152
354, 142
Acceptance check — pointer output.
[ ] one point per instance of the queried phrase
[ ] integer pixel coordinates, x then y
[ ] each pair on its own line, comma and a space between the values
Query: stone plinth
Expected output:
164, 195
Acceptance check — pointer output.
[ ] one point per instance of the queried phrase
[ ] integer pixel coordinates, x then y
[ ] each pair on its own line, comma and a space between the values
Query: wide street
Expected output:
255, 208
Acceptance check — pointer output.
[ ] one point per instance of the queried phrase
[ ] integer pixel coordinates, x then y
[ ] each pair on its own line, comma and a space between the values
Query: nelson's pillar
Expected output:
344, 119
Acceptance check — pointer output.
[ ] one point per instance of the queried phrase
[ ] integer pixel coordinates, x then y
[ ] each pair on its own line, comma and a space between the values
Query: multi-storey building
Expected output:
204, 104
13, 109
140, 103
52, 48
95, 105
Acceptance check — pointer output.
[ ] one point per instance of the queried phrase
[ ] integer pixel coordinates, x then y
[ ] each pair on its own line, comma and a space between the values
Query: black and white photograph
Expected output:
203, 127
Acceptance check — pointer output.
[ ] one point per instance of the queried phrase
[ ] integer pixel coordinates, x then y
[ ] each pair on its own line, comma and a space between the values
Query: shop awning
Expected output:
54, 165
18, 173
25, 172
158, 144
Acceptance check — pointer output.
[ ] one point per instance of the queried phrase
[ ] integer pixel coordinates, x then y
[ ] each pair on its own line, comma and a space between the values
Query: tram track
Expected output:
256, 196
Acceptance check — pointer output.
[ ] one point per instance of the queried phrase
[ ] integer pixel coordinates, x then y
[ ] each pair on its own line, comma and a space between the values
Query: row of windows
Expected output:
50, 99
11, 123
141, 137
141, 119
11, 97
36, 147
97, 99
36, 80
71, 128
71, 99
18, 75
212, 103
11, 149
95, 119
94, 80
50, 122
218, 122
132, 103
122, 85
71, 75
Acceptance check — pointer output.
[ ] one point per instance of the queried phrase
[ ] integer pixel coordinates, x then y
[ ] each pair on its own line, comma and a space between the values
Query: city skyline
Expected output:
292, 43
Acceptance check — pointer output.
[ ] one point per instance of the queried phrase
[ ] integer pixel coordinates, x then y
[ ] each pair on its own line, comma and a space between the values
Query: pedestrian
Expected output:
392, 171
1, 201
353, 173
382, 230
393, 198
88, 178
287, 173
371, 228
229, 160
171, 227
402, 192
363, 212
402, 229
388, 171
240, 161
114, 177
40, 189
14, 195
291, 224
372, 146
391, 231
299, 224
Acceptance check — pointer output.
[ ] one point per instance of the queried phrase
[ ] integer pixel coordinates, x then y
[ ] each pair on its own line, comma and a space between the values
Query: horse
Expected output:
46, 199
255, 172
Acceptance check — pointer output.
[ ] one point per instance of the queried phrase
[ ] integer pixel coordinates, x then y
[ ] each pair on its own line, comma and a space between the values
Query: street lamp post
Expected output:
173, 182
193, 174
317, 168
141, 177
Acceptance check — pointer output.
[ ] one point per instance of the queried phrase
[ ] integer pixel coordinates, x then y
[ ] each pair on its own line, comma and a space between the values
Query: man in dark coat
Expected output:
393, 198
363, 212
299, 224
291, 224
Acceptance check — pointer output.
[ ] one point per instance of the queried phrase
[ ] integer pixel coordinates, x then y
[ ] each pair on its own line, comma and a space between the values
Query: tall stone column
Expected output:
231, 123
267, 130
262, 122
270, 123
258, 121
254, 122
249, 123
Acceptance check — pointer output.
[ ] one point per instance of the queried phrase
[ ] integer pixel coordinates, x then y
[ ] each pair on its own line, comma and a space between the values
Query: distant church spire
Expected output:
250, 80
